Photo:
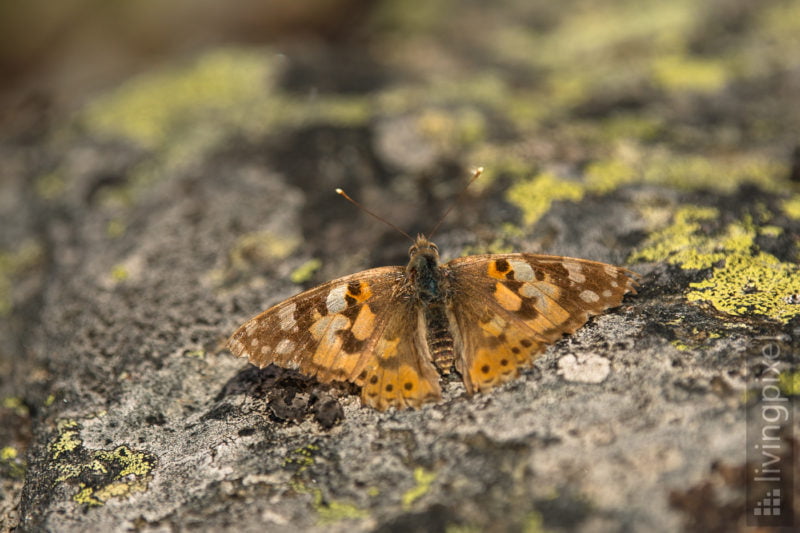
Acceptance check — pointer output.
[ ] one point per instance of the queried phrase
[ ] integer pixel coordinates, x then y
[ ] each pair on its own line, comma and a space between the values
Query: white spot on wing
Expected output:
537, 290
284, 347
286, 317
237, 347
254, 342
335, 301
589, 296
522, 271
575, 272
326, 327
611, 270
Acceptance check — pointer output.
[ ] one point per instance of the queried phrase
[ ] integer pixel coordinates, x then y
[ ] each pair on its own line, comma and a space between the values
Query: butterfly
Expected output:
394, 331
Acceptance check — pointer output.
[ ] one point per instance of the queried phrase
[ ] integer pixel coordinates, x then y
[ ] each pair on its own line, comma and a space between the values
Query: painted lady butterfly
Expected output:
390, 329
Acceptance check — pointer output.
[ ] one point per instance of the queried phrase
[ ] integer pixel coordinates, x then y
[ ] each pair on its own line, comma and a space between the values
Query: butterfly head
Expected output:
423, 249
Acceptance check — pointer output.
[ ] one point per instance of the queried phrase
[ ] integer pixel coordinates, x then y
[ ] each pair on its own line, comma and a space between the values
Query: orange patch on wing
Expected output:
399, 388
493, 271
326, 352
387, 348
364, 324
345, 363
496, 362
507, 298
413, 388
363, 293
325, 331
490, 368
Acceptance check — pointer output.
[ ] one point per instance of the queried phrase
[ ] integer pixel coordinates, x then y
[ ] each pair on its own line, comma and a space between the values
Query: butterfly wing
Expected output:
362, 328
508, 307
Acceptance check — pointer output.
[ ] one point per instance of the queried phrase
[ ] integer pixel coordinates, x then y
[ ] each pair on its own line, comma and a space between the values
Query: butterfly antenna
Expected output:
477, 172
340, 192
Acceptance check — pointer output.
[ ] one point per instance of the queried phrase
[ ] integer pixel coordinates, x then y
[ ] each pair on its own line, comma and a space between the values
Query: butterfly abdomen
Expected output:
440, 339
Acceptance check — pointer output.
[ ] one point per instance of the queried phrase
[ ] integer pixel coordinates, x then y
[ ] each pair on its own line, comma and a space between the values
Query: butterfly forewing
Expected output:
508, 308
361, 328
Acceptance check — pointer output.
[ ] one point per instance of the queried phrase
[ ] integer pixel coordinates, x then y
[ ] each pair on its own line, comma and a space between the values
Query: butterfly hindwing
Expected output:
509, 307
401, 373
361, 328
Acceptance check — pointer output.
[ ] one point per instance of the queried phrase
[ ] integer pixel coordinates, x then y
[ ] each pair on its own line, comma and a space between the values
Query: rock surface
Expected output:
138, 234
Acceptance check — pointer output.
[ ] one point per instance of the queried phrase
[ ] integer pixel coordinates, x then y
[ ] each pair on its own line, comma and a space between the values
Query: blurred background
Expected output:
52, 56
591, 56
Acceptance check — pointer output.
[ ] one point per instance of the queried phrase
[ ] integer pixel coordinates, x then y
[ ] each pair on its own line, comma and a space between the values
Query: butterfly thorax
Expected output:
432, 288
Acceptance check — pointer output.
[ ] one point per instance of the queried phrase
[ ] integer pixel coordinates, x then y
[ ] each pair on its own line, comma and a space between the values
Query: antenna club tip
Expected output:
339, 191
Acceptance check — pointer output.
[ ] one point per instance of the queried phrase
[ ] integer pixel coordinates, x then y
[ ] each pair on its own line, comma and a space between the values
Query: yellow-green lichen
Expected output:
92, 497
67, 439
328, 510
462, 528
157, 109
260, 247
11, 464
131, 473
791, 206
535, 196
7, 453
698, 339
637, 126
119, 273
132, 463
721, 173
51, 398
423, 480
606, 175
304, 272
744, 281
678, 72
771, 231
15, 404
680, 345
331, 511
73, 470
789, 383
199, 354
747, 284
682, 243
301, 458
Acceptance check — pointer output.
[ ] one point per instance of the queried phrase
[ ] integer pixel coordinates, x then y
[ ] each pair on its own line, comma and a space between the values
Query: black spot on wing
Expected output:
354, 288
527, 309
350, 344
